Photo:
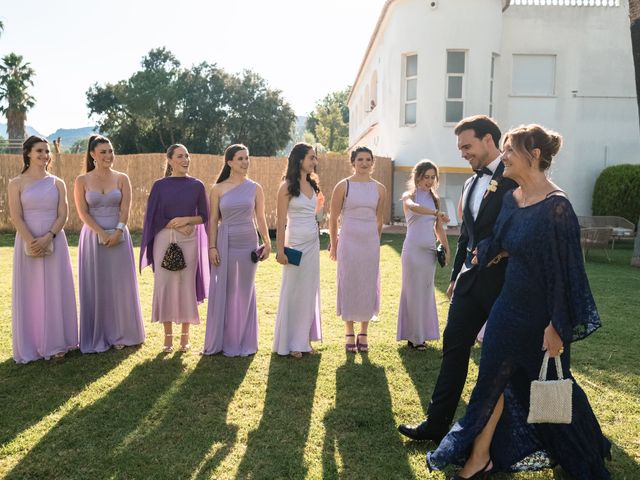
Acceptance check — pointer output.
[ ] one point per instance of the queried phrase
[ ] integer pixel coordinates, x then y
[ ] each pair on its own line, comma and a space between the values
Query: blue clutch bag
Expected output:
293, 256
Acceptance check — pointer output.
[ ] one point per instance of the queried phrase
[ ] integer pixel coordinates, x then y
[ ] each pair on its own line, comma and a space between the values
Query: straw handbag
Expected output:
550, 400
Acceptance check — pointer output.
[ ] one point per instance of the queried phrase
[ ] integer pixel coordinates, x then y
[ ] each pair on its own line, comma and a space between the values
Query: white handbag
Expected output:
550, 400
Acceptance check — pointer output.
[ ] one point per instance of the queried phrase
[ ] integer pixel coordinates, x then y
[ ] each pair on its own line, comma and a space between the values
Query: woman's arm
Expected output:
15, 211
261, 222
382, 200
337, 202
441, 235
281, 211
79, 190
409, 204
214, 217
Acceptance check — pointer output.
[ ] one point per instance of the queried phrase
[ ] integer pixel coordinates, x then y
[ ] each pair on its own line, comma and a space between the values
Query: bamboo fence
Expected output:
144, 169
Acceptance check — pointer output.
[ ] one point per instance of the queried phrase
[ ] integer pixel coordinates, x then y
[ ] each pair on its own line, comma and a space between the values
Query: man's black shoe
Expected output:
421, 432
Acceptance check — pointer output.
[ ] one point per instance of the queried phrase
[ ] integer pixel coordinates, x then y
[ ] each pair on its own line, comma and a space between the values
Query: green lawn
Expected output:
137, 413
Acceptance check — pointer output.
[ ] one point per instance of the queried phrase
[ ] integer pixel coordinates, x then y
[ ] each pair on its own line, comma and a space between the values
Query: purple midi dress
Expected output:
232, 316
109, 299
417, 314
44, 317
358, 282
298, 319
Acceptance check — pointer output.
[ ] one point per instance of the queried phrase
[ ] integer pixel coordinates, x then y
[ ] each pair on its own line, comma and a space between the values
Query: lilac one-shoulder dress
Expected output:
358, 255
44, 314
109, 300
298, 319
417, 313
232, 316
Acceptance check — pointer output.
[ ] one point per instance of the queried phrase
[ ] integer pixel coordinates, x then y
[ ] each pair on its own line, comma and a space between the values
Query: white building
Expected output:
565, 64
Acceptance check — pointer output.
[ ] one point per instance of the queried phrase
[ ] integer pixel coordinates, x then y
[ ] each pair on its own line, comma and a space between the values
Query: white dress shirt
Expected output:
481, 188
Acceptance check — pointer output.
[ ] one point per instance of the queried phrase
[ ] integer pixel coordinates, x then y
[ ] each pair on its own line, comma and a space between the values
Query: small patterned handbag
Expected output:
174, 257
550, 400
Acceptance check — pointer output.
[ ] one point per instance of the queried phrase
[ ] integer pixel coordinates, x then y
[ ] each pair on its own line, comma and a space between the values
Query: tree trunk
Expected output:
635, 259
15, 127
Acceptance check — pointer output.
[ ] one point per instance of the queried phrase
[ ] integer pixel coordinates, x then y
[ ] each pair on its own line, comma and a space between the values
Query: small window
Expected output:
410, 87
534, 75
454, 103
494, 58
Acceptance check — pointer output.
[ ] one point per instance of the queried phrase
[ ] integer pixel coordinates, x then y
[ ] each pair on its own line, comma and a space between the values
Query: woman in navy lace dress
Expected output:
545, 304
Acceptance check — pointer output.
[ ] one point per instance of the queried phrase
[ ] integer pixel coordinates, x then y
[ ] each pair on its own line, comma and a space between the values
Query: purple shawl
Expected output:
172, 197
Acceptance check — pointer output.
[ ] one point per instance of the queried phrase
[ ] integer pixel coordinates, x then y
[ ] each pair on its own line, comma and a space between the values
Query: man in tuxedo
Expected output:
472, 291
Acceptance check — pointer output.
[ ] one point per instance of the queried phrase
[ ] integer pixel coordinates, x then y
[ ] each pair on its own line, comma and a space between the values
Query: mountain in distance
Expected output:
68, 136
30, 131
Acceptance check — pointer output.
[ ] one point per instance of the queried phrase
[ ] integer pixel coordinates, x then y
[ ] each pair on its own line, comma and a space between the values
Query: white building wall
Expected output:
592, 44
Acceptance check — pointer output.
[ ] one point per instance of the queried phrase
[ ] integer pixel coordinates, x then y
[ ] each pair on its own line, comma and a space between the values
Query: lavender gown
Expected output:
44, 314
417, 314
298, 320
109, 300
359, 255
232, 316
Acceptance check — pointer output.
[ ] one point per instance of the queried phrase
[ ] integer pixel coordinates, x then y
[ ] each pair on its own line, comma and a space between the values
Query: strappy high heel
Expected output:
168, 348
350, 347
479, 475
187, 346
362, 347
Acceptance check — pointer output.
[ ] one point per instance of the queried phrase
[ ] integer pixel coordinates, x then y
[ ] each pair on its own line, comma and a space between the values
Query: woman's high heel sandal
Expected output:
187, 346
363, 347
168, 348
350, 346
479, 475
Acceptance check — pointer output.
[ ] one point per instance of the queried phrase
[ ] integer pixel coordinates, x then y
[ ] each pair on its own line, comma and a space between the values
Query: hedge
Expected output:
617, 192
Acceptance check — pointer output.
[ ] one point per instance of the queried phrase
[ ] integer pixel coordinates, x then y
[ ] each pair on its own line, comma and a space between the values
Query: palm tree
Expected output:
15, 100
634, 16
1, 27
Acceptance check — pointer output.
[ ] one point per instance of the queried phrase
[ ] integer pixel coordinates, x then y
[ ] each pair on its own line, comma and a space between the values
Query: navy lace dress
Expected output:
545, 282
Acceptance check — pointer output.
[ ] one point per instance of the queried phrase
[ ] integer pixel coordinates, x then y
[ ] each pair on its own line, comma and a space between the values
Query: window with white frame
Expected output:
410, 89
533, 75
454, 103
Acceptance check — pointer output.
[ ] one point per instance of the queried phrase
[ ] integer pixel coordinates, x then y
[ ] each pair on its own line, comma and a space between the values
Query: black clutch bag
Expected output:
173, 259
441, 255
257, 253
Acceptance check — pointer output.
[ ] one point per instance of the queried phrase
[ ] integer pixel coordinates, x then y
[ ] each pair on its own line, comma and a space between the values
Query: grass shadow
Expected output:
195, 418
84, 443
30, 392
276, 448
361, 439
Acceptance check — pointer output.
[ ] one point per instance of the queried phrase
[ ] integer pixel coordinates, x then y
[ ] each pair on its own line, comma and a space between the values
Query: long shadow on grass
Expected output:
30, 392
191, 436
84, 443
276, 448
360, 429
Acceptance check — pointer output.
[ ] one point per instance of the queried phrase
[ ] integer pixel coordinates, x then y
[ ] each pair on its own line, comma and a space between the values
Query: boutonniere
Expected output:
493, 186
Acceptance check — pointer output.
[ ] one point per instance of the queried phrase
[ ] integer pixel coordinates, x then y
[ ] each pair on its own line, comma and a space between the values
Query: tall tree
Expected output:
1, 28
16, 77
329, 121
202, 107
258, 115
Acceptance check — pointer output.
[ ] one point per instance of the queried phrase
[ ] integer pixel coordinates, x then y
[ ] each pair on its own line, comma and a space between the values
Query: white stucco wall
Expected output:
593, 49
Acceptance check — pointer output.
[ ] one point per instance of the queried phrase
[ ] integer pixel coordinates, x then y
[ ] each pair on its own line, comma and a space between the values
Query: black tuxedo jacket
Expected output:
464, 273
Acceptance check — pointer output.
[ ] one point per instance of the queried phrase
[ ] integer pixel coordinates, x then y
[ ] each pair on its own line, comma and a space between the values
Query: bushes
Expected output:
617, 192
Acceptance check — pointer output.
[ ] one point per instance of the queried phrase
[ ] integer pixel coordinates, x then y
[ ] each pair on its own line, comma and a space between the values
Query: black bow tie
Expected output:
483, 171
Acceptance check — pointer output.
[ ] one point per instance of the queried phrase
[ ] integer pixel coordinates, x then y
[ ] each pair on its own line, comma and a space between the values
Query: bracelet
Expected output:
52, 234
120, 226
211, 248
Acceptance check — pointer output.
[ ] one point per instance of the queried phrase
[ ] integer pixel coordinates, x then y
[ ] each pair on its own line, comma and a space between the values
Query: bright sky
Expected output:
306, 48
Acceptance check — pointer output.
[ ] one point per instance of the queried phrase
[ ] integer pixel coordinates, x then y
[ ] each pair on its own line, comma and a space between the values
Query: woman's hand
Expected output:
333, 252
113, 239
282, 258
443, 217
39, 244
185, 230
214, 256
266, 251
552, 342
178, 222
